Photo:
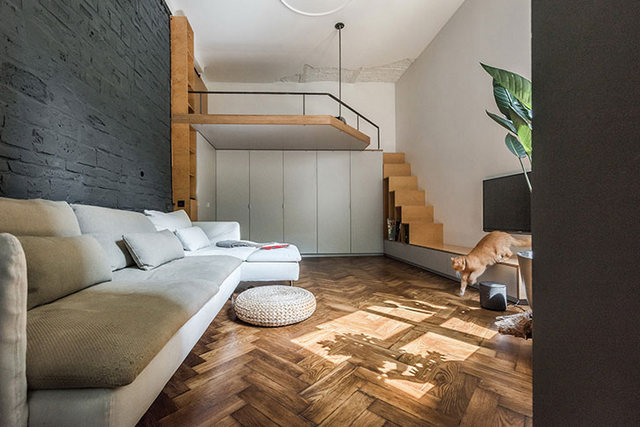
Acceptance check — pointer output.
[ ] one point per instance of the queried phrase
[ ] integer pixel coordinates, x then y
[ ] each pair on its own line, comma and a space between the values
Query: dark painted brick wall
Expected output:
85, 101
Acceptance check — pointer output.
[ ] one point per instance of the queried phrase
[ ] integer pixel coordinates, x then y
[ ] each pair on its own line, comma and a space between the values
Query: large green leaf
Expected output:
507, 102
514, 146
505, 123
503, 98
521, 110
524, 131
514, 83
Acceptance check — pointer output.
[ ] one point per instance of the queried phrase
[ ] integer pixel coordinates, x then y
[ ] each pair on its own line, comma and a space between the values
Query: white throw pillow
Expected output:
150, 250
171, 221
193, 238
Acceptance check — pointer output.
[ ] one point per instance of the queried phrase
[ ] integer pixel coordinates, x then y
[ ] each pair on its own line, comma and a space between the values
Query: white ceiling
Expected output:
264, 41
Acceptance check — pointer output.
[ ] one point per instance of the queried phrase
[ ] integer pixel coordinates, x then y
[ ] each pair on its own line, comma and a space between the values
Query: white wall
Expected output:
376, 101
205, 179
440, 110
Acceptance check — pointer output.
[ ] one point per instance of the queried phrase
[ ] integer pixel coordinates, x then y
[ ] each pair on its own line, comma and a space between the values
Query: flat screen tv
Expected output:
506, 204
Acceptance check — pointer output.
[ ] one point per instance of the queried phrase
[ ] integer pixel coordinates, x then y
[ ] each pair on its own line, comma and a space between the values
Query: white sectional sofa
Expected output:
89, 339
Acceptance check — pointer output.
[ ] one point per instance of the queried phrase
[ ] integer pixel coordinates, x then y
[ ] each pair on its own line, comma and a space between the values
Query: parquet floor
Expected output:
389, 344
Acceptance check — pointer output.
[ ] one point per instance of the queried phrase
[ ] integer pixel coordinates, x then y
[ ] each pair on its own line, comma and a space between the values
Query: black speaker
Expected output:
493, 296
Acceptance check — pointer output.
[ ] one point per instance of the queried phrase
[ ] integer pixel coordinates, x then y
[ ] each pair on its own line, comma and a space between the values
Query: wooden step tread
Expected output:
392, 158
402, 182
422, 234
396, 169
408, 197
408, 214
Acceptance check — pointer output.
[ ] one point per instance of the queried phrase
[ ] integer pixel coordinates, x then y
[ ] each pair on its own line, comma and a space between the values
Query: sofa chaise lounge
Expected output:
89, 339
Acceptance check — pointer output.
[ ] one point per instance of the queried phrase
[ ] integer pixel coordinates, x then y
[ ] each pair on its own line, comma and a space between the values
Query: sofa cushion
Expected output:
59, 266
13, 333
37, 217
151, 250
104, 336
171, 221
288, 254
211, 268
192, 238
217, 231
112, 224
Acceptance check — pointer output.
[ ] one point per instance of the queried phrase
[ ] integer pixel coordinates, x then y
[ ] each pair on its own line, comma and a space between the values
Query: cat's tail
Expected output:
521, 243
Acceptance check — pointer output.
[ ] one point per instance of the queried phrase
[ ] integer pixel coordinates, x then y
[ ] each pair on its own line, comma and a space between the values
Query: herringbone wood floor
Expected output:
389, 344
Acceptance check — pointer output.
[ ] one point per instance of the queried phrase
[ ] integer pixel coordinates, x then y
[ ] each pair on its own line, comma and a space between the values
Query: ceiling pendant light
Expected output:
311, 8
339, 26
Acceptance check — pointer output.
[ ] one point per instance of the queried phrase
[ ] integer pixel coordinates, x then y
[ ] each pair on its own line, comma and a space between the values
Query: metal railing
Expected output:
304, 102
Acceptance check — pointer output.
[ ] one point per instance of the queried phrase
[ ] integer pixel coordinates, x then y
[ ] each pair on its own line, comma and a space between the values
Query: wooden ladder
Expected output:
406, 203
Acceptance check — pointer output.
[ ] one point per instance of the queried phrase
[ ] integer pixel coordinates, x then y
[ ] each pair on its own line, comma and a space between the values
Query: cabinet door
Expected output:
334, 234
232, 188
300, 200
366, 202
266, 196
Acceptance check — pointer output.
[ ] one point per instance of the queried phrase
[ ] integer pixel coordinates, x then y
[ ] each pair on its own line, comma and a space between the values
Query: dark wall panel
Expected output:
85, 101
586, 212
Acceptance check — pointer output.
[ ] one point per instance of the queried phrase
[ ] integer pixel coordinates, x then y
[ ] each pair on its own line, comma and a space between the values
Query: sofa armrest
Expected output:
13, 332
217, 231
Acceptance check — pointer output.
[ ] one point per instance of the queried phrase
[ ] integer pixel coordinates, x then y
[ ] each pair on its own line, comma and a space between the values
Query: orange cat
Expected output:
492, 248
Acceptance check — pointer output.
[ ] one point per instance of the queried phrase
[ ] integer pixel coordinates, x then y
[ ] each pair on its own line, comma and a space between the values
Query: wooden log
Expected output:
518, 325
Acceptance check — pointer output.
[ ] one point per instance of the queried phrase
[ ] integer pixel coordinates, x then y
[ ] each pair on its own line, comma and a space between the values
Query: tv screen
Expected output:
506, 204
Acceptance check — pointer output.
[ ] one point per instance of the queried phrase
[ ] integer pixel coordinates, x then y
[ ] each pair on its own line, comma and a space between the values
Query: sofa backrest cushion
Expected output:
37, 217
171, 221
151, 250
108, 226
59, 266
193, 238
13, 332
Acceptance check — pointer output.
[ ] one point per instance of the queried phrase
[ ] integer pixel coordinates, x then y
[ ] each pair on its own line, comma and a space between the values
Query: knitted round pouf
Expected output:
274, 305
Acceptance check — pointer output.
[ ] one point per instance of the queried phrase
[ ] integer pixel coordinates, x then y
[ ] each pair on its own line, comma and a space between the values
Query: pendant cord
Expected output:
340, 71
339, 26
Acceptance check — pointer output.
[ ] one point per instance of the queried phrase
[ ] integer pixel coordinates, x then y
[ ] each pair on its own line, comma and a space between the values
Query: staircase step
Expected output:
411, 214
408, 197
392, 158
402, 183
396, 169
426, 234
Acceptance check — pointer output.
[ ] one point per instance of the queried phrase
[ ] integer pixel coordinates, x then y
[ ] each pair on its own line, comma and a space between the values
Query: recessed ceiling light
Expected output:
315, 7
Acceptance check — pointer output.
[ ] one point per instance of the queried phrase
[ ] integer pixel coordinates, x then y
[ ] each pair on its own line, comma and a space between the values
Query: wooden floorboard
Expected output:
389, 344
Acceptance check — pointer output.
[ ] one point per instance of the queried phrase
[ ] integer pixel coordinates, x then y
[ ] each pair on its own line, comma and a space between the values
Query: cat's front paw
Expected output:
460, 293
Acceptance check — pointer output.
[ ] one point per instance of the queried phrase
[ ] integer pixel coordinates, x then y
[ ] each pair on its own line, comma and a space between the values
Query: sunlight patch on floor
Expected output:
449, 348
395, 309
409, 385
370, 324
316, 343
468, 328
355, 335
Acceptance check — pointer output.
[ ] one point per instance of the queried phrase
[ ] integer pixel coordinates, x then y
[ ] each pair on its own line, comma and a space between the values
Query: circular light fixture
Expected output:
315, 8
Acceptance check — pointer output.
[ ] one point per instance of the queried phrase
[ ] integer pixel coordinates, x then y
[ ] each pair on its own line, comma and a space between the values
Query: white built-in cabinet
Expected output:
266, 196
334, 202
325, 202
366, 219
301, 200
232, 188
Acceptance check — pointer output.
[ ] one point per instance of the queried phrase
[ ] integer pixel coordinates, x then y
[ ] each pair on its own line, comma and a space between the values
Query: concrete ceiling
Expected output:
263, 41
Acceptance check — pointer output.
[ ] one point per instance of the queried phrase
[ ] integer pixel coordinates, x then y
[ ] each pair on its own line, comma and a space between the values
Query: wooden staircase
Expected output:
406, 203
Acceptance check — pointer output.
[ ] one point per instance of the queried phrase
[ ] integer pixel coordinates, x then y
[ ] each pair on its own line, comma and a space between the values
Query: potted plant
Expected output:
512, 94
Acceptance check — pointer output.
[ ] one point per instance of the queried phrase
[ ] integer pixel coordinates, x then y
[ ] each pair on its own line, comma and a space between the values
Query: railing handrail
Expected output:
303, 94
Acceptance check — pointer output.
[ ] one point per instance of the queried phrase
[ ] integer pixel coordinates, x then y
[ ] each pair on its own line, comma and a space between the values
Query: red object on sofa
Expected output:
276, 246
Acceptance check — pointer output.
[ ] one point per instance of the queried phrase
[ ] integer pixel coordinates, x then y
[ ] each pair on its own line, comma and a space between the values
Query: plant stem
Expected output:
524, 171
